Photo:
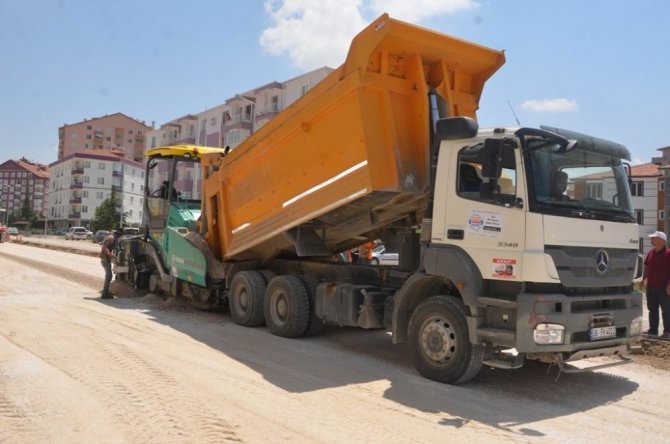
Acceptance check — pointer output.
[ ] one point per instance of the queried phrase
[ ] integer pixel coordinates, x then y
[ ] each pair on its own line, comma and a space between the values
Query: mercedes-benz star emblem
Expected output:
602, 261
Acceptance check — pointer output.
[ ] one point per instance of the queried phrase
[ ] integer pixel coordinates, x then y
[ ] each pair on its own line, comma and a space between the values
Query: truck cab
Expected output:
535, 230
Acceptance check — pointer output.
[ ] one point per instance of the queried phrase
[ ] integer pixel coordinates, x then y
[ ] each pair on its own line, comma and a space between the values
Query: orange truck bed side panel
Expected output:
364, 129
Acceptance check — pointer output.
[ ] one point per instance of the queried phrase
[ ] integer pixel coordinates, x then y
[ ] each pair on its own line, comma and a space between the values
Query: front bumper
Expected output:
577, 314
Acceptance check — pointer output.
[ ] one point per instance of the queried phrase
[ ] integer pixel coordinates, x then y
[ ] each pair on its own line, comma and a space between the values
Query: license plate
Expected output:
596, 334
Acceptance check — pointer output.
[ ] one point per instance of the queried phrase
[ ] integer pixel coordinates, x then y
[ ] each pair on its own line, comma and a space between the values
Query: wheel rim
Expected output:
279, 308
243, 300
438, 340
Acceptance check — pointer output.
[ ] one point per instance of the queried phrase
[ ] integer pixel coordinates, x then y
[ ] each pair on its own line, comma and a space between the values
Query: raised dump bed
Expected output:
350, 158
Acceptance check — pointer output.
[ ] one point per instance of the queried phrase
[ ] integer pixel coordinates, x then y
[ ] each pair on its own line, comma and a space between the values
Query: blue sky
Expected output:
598, 67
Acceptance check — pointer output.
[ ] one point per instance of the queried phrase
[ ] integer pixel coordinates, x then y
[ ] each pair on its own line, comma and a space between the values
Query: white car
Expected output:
382, 257
77, 233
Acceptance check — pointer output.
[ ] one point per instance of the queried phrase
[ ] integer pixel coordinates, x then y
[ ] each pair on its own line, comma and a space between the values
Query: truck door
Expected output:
484, 211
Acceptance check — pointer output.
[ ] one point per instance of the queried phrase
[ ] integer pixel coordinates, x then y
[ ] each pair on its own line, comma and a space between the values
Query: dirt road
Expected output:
74, 368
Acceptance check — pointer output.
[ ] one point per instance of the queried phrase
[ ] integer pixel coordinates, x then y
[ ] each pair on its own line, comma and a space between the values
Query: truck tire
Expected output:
245, 299
315, 325
439, 344
286, 306
268, 275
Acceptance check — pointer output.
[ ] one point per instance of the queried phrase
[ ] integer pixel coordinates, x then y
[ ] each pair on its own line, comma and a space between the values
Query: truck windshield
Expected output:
570, 180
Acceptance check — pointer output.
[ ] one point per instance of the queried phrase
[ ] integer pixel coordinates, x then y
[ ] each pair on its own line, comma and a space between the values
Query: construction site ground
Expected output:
137, 368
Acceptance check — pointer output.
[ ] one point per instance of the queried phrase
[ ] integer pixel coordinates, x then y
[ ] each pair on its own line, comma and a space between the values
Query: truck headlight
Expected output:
548, 334
636, 326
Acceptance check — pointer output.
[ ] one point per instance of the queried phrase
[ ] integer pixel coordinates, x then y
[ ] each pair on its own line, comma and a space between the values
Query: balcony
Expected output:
240, 121
117, 188
75, 200
116, 173
74, 216
76, 185
77, 170
267, 111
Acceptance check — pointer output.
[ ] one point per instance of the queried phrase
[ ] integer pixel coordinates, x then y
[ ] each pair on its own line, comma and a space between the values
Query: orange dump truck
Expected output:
352, 157
387, 148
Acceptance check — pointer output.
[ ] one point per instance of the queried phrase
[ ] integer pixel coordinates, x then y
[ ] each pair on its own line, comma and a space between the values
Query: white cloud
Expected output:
559, 105
315, 33
637, 161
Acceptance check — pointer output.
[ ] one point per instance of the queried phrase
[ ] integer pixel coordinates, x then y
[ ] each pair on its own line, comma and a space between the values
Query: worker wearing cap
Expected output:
106, 258
657, 283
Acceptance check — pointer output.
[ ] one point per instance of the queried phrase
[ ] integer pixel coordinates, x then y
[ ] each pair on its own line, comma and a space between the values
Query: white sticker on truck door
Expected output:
485, 223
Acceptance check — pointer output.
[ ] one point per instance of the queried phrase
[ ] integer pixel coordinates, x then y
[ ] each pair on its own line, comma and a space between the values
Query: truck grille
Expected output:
581, 267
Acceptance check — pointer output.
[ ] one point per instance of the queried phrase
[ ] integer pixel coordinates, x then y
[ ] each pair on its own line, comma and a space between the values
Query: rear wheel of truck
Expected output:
286, 306
439, 343
315, 325
245, 299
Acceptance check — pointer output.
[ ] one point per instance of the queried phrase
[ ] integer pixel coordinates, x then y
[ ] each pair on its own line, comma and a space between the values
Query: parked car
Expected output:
99, 236
77, 233
131, 231
382, 257
13, 231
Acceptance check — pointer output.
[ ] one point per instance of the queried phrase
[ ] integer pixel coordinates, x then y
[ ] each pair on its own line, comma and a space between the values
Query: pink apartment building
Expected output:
114, 132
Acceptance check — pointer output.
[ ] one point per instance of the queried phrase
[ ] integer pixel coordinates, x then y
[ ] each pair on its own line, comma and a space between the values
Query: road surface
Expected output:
74, 368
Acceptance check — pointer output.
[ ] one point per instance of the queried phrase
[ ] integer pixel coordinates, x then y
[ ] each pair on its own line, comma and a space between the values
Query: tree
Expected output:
26, 213
106, 215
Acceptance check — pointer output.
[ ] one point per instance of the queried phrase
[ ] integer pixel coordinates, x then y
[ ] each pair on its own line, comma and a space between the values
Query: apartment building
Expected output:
21, 179
238, 117
647, 189
81, 181
176, 132
114, 132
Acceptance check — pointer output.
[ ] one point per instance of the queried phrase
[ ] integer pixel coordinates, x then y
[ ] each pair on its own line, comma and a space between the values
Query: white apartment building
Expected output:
81, 181
238, 117
647, 184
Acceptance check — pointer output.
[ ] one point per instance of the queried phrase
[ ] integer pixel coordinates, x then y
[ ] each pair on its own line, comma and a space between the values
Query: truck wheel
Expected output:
286, 306
315, 325
439, 343
374, 261
245, 299
268, 275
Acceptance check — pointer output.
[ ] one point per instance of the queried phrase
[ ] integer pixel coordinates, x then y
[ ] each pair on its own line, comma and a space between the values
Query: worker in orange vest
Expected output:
365, 253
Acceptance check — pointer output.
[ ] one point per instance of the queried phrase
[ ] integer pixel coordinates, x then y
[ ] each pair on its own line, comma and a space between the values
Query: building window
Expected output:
85, 194
639, 215
303, 89
594, 190
89, 127
661, 185
89, 137
87, 164
99, 195
101, 180
130, 140
85, 179
108, 139
101, 165
637, 188
84, 208
130, 132
661, 215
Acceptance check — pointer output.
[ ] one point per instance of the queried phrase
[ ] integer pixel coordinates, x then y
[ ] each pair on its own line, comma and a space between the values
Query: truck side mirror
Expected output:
452, 128
492, 158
